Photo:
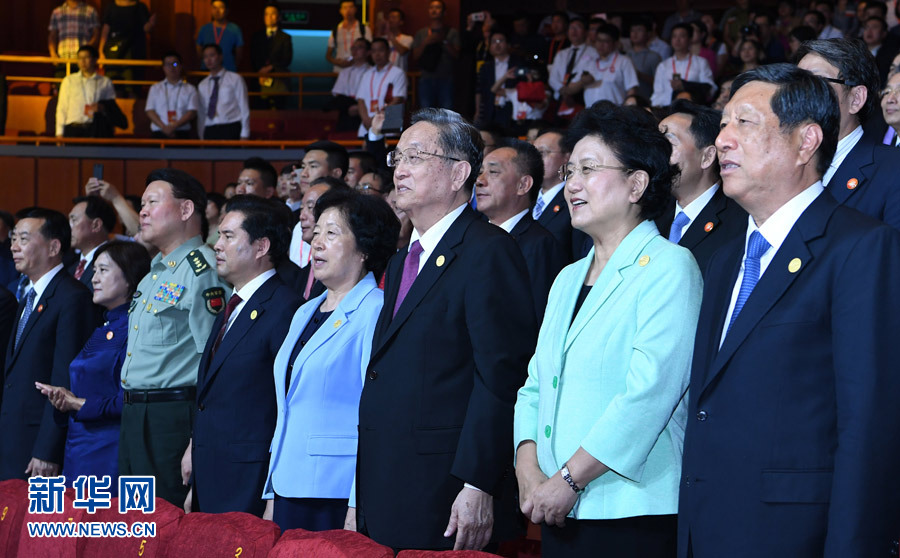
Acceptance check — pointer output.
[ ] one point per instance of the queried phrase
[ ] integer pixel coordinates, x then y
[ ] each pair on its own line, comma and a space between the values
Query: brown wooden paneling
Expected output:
58, 181
18, 189
223, 173
201, 170
136, 171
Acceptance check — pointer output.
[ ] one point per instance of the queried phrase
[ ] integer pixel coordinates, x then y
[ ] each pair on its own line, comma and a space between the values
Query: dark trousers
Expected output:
230, 131
312, 514
648, 536
152, 442
78, 131
179, 134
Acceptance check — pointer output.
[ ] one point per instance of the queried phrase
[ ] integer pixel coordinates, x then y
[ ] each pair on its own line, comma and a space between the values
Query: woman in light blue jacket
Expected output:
599, 423
320, 368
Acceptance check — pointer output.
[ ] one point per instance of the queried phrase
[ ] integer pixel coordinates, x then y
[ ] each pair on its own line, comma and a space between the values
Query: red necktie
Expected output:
229, 308
79, 270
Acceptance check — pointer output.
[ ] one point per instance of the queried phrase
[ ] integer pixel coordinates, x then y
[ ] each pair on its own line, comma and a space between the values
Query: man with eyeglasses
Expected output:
890, 107
550, 209
376, 183
172, 103
450, 350
863, 174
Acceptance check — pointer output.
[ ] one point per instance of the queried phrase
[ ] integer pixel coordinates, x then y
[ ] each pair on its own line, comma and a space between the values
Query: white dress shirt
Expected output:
374, 85
844, 147
613, 76
180, 97
299, 250
246, 292
430, 238
693, 209
511, 223
348, 80
78, 92
774, 230
41, 285
585, 54
232, 104
401, 60
691, 68
547, 197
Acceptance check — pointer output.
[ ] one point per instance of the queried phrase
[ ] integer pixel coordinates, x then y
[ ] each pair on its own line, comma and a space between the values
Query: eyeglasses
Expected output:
888, 91
567, 172
839, 81
412, 157
367, 186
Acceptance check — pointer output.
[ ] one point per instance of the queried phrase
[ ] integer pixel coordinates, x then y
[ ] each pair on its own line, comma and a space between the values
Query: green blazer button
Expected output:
555, 381
547, 431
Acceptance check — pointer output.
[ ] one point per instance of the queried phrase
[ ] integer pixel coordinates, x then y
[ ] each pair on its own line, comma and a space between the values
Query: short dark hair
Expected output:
213, 46
171, 54
336, 154
381, 40
184, 187
131, 257
881, 20
704, 126
399, 11
372, 222
561, 132
272, 4
562, 14
263, 218
98, 208
528, 162
332, 183
640, 21
456, 137
90, 49
804, 33
365, 41
608, 29
854, 63
287, 169
217, 199
367, 161
55, 226
820, 17
621, 128
766, 14
7, 219
879, 5
800, 98
264, 168
687, 28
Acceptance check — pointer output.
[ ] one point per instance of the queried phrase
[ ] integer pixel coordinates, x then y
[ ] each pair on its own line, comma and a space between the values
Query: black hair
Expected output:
184, 187
98, 208
620, 128
264, 218
272, 4
287, 169
336, 154
766, 14
879, 5
373, 223
131, 257
91, 49
639, 100
561, 13
804, 33
399, 11
367, 162
800, 98
332, 183
456, 138
687, 28
55, 226
701, 27
265, 169
854, 63
704, 126
213, 46
820, 17
171, 54
528, 162
881, 20
216, 198
7, 219
608, 29
381, 40
642, 21
134, 200
364, 40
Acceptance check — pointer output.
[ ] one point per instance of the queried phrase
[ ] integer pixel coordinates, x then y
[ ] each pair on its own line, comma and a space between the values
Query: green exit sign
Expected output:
297, 17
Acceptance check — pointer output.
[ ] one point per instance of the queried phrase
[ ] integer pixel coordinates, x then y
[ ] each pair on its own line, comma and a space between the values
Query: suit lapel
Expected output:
522, 226
548, 214
41, 306
706, 222
776, 280
858, 165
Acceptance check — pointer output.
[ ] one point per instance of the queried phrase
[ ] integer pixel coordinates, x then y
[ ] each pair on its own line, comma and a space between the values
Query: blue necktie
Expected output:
20, 288
29, 302
675, 232
213, 98
755, 249
538, 208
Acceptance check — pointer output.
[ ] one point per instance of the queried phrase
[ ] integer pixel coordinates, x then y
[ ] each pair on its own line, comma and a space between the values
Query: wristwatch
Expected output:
568, 478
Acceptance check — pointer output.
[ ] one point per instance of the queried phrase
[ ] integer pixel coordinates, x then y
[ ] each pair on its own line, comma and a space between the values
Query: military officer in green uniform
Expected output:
170, 320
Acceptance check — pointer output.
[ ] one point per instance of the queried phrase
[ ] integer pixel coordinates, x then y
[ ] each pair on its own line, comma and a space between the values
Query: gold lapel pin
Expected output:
794, 266
253, 315
644, 260
171, 263
337, 324
440, 260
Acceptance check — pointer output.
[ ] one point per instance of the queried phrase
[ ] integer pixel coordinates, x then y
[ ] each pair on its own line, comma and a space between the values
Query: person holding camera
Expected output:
682, 71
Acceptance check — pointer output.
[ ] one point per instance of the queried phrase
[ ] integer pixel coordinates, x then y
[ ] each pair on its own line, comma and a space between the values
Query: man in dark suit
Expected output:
54, 319
271, 50
864, 174
451, 349
794, 436
8, 306
236, 406
505, 190
704, 218
491, 105
550, 208
92, 219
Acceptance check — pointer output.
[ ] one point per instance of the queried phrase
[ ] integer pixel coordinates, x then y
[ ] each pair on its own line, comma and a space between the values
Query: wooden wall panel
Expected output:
58, 181
136, 171
223, 173
18, 189
201, 170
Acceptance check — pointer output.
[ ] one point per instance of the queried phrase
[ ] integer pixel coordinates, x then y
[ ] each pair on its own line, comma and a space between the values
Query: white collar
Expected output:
253, 285
41, 285
511, 223
551, 193
430, 238
844, 147
777, 227
693, 209
89, 257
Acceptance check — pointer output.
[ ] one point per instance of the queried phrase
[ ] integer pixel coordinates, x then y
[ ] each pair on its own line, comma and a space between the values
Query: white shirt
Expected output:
774, 230
522, 110
831, 32
231, 106
299, 250
691, 68
430, 238
548, 197
511, 223
41, 285
396, 59
844, 147
246, 292
660, 47
178, 98
294, 205
346, 36
613, 76
89, 257
375, 84
78, 92
585, 54
348, 80
693, 209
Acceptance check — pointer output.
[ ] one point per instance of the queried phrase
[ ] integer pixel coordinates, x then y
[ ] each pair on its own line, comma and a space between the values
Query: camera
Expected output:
750, 29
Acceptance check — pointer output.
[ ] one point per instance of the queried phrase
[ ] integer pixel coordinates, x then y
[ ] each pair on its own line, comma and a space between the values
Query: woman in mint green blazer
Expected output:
599, 423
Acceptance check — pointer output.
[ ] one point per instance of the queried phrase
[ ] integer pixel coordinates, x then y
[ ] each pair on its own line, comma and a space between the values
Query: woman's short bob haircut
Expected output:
132, 259
631, 133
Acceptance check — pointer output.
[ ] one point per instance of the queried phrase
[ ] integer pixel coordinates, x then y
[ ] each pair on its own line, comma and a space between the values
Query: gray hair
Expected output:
457, 138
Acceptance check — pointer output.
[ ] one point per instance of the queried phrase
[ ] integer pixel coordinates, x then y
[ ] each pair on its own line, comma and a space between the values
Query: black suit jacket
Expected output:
793, 430
543, 256
277, 50
489, 112
62, 320
869, 180
556, 219
437, 403
86, 276
8, 307
720, 220
236, 403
